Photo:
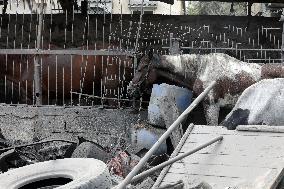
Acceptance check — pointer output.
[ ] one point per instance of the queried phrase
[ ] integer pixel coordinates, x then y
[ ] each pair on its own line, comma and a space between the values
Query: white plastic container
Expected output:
160, 97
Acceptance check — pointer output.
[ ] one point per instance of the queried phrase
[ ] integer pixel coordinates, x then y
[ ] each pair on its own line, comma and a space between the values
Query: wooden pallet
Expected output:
245, 159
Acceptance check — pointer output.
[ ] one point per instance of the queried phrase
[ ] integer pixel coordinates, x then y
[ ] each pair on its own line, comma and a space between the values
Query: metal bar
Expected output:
175, 159
183, 116
36, 143
282, 47
174, 154
234, 49
178, 185
106, 98
139, 26
67, 52
37, 66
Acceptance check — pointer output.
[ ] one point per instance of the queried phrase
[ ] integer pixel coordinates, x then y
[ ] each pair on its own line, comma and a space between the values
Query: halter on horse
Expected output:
195, 72
149, 72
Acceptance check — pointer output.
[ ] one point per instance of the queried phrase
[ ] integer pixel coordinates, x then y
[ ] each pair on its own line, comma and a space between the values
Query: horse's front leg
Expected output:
211, 111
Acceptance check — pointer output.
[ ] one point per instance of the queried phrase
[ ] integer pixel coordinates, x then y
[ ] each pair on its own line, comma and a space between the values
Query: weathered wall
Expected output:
21, 124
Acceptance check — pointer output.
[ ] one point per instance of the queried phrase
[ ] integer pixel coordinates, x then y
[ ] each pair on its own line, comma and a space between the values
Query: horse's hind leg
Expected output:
211, 113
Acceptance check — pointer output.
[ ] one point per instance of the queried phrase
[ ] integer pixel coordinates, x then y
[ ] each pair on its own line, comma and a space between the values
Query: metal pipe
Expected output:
174, 154
175, 159
37, 67
36, 143
141, 163
233, 49
68, 52
108, 98
282, 47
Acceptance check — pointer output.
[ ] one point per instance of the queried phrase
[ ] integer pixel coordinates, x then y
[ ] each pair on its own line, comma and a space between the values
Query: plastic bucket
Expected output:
161, 94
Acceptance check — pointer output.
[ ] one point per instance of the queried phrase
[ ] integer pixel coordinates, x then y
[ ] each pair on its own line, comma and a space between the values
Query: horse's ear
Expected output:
150, 54
156, 59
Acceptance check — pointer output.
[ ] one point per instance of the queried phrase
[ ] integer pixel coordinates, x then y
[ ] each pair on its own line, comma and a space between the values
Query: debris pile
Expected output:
120, 161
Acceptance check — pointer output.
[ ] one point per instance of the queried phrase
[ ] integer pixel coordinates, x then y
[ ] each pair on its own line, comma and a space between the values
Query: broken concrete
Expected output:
107, 127
90, 150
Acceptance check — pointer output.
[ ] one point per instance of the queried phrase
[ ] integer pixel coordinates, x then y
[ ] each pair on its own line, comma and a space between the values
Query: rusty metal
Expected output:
282, 47
68, 52
35, 143
108, 98
37, 66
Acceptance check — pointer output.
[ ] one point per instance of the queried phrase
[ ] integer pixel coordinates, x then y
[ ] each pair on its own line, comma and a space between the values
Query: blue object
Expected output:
147, 139
163, 92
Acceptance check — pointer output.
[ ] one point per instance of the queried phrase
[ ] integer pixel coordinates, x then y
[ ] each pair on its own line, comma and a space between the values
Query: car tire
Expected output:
85, 173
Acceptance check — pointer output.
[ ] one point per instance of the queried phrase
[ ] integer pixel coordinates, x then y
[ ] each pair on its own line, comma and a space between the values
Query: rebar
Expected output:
176, 123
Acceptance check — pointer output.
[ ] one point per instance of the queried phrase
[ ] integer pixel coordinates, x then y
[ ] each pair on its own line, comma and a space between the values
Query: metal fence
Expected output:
70, 70
86, 55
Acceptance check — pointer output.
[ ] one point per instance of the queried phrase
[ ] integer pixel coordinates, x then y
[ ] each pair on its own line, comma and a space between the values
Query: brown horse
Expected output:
196, 72
62, 75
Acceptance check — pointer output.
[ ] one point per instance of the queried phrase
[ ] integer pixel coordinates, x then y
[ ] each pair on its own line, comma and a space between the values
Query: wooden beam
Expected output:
261, 128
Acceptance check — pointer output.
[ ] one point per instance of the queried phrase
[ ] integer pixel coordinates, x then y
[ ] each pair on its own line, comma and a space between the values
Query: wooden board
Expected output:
242, 157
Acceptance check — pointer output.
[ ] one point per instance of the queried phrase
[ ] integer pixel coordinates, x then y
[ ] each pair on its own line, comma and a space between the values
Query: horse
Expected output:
196, 72
64, 75
260, 104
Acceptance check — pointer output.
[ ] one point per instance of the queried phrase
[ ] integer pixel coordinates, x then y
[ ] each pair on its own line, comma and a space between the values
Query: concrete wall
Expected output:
22, 124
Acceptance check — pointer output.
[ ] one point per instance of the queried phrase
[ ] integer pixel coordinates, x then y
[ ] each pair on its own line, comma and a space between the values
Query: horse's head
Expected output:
144, 76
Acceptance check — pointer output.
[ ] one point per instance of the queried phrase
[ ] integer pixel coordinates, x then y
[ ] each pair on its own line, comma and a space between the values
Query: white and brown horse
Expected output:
195, 72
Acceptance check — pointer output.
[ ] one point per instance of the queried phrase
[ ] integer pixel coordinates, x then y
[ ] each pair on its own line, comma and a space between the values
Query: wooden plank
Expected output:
215, 182
261, 128
241, 156
232, 144
219, 170
238, 160
201, 129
